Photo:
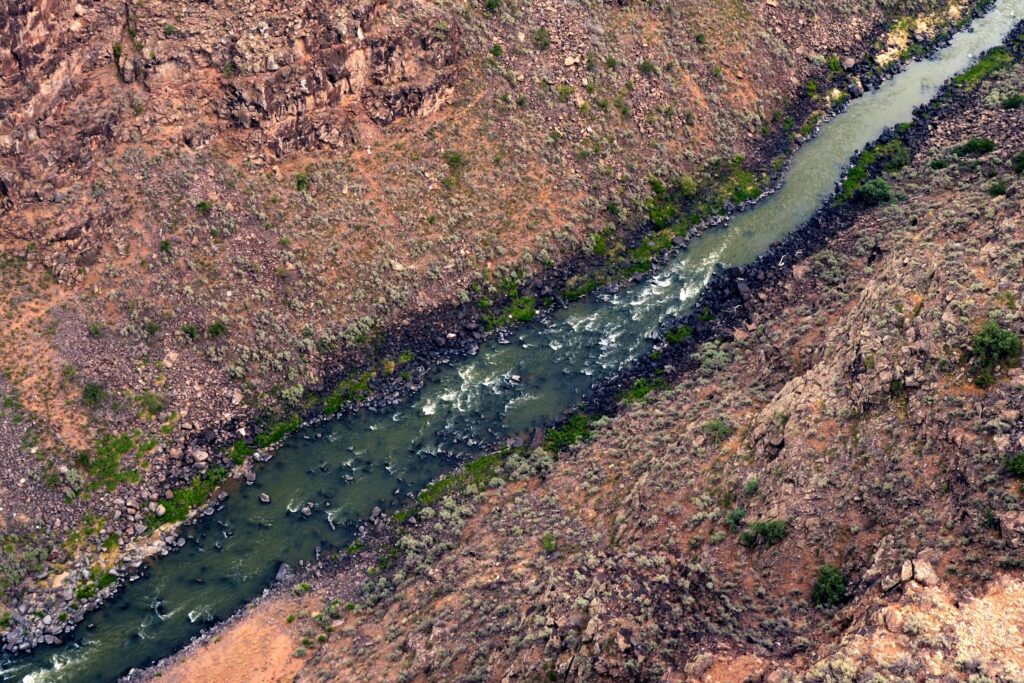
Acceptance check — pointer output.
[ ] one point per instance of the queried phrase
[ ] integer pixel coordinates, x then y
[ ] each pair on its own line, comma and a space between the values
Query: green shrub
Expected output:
216, 329
975, 147
718, 430
152, 402
998, 188
478, 473
204, 207
647, 68
523, 309
679, 334
874, 192
640, 388
576, 428
278, 431
301, 182
893, 155
456, 162
829, 587
93, 395
764, 533
1015, 465
189, 330
1018, 163
105, 462
548, 543
1013, 101
735, 518
542, 38
993, 346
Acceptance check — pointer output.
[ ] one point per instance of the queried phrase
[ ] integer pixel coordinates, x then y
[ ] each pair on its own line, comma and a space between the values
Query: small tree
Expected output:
829, 588
991, 347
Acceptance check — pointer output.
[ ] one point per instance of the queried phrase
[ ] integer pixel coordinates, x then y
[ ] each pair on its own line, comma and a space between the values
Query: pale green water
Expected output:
370, 459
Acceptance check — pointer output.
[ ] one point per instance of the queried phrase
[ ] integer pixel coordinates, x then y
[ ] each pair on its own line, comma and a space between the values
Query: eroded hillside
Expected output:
866, 417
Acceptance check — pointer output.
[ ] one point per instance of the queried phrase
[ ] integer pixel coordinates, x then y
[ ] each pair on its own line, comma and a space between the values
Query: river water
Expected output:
348, 466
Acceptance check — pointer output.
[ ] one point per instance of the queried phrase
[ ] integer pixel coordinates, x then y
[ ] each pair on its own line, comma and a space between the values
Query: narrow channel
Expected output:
348, 466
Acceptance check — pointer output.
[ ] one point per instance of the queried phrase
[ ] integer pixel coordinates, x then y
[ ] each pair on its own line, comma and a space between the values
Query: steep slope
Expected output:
867, 417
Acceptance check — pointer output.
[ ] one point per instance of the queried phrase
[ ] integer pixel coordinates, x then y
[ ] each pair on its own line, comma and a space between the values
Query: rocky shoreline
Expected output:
454, 331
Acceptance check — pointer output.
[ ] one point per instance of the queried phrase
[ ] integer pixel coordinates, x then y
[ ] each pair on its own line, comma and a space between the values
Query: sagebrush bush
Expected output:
764, 533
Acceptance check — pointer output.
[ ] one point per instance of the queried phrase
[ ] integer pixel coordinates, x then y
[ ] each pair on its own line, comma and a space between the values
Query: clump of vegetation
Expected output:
542, 38
666, 204
456, 163
718, 430
478, 473
204, 207
573, 430
640, 388
1018, 163
278, 431
1015, 465
355, 388
994, 60
104, 464
679, 334
829, 587
93, 395
647, 68
1013, 101
216, 329
765, 533
890, 156
975, 147
548, 543
874, 192
188, 497
998, 188
152, 403
302, 181
991, 347
735, 518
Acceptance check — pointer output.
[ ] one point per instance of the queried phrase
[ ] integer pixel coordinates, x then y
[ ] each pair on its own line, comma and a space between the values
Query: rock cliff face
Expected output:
213, 213
833, 494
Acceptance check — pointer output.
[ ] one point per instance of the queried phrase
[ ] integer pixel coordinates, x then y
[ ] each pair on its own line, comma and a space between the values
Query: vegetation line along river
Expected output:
343, 469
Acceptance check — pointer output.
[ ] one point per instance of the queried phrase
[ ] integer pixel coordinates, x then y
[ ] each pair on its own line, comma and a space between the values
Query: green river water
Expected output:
352, 464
